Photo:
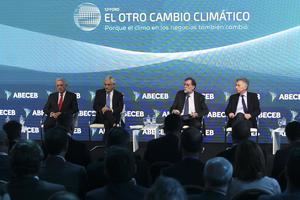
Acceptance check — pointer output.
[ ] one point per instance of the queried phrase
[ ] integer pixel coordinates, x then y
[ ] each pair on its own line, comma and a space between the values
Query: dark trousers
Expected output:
108, 121
64, 120
240, 117
192, 122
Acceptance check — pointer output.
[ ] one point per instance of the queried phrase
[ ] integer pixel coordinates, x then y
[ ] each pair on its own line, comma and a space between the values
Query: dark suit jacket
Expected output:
122, 191
165, 148
97, 177
279, 163
229, 154
252, 104
56, 170
100, 102
208, 195
199, 100
189, 171
5, 169
31, 188
78, 153
69, 107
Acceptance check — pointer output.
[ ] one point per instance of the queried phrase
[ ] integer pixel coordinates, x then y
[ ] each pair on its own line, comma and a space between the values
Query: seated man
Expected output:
13, 130
166, 148
108, 105
5, 169
293, 178
189, 171
190, 105
56, 169
120, 168
61, 105
243, 106
292, 131
240, 133
217, 176
25, 162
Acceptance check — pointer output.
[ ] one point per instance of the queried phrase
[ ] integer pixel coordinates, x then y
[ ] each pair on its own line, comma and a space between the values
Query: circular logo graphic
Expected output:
87, 16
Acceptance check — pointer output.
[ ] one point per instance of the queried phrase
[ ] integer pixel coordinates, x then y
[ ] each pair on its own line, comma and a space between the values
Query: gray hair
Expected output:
112, 79
245, 80
217, 172
61, 79
166, 188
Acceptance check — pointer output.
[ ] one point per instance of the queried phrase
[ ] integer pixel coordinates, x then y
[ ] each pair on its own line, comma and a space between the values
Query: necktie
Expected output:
60, 102
186, 105
244, 104
108, 100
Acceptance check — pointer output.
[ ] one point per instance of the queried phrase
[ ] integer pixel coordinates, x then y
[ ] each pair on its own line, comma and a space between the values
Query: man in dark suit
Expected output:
13, 130
292, 131
117, 137
108, 104
240, 133
190, 105
25, 162
217, 177
189, 171
5, 169
61, 105
244, 105
120, 168
166, 148
56, 169
292, 174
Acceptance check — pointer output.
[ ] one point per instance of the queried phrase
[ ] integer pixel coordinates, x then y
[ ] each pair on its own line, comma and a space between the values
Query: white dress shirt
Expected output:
111, 99
63, 96
239, 108
191, 104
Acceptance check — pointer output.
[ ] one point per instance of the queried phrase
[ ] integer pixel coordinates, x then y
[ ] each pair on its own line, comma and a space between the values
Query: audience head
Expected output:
118, 136
172, 124
191, 140
63, 195
249, 161
241, 131
217, 172
166, 188
119, 164
292, 169
292, 131
26, 158
56, 141
3, 141
13, 130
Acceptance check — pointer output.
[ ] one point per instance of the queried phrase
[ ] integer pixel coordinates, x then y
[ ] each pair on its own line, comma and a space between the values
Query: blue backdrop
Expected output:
150, 47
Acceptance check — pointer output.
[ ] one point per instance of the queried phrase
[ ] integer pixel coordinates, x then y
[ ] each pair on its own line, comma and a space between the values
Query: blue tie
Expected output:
186, 105
108, 100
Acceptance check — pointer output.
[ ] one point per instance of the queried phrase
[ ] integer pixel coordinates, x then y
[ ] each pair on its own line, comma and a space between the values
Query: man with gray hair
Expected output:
243, 105
217, 177
60, 107
108, 104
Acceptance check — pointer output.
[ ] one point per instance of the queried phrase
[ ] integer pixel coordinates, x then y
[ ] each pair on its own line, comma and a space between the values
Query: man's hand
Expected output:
231, 115
247, 116
104, 109
194, 115
176, 112
55, 115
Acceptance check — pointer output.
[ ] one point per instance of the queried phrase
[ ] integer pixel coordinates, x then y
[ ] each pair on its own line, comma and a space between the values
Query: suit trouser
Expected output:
64, 120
